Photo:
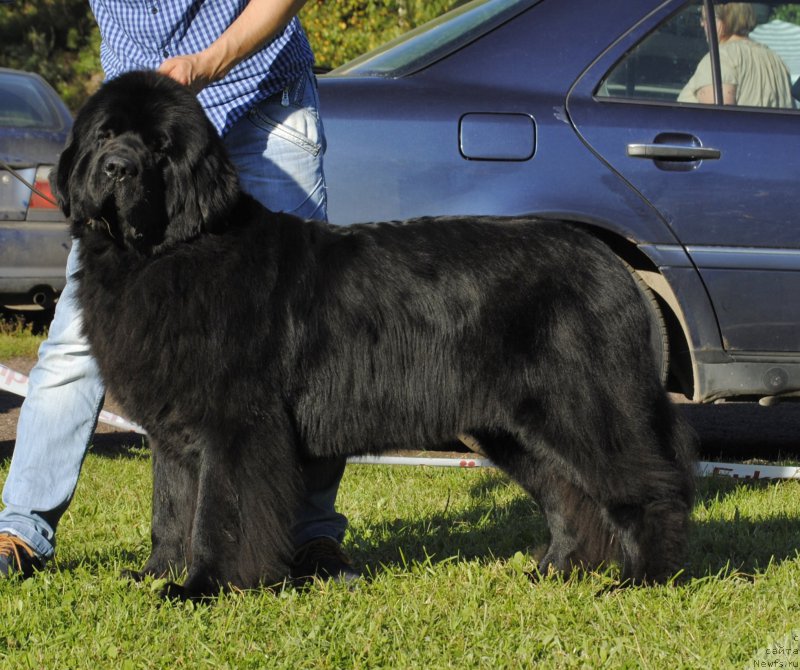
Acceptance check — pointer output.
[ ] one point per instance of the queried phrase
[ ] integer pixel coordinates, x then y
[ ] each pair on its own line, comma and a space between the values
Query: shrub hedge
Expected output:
60, 40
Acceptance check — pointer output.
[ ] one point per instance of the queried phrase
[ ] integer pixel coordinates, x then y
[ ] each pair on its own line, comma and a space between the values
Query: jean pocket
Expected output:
293, 116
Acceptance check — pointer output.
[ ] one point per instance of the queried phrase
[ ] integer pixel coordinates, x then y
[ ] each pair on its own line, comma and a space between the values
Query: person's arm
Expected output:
260, 21
730, 75
705, 95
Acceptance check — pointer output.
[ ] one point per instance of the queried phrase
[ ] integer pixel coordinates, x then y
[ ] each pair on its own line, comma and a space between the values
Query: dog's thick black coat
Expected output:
246, 341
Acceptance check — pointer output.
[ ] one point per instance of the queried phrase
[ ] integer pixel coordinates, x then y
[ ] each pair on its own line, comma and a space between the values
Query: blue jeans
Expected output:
277, 149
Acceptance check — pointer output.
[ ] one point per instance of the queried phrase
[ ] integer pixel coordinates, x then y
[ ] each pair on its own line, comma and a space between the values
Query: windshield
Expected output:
23, 104
435, 39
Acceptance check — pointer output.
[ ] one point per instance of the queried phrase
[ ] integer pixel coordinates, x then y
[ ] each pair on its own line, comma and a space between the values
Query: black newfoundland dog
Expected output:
247, 341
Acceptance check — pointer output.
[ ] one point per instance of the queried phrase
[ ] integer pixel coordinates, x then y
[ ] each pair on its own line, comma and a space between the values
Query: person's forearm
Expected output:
259, 22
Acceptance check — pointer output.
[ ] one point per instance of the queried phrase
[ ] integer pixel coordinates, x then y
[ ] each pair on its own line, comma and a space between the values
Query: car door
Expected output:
724, 177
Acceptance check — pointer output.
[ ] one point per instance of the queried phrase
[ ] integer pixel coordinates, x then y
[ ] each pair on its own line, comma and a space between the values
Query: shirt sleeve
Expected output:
701, 77
729, 69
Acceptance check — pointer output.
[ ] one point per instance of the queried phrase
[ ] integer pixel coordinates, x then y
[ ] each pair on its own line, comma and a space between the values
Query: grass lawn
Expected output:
447, 551
17, 338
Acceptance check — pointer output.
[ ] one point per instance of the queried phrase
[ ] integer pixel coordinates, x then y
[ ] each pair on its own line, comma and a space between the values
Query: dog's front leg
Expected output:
215, 531
248, 485
174, 496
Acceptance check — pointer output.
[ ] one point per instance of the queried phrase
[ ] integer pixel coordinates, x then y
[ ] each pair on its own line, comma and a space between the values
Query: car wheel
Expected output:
659, 337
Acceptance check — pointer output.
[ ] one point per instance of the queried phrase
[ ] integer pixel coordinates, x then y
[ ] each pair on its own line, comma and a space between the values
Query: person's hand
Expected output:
188, 70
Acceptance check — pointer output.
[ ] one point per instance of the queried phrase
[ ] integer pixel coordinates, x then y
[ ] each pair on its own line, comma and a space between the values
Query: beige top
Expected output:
759, 75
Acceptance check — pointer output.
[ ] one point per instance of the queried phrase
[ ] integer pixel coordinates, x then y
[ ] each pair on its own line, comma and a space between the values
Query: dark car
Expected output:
568, 109
34, 240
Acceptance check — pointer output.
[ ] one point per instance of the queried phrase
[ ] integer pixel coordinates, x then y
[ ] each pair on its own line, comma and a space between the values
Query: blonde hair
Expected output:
739, 18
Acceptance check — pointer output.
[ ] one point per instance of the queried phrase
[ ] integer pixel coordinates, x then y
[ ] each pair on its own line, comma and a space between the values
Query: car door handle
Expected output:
672, 152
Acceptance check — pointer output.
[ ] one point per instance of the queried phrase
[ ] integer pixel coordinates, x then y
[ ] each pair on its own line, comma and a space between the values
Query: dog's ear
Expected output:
59, 177
201, 191
217, 184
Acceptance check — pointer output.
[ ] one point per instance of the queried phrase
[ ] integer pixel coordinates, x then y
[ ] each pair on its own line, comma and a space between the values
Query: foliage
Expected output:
345, 29
17, 338
790, 13
59, 39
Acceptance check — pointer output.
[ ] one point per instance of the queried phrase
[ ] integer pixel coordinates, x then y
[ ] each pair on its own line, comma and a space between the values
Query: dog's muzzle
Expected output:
119, 167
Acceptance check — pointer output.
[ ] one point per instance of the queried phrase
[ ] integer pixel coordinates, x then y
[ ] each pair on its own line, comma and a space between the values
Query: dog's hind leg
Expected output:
572, 513
631, 458
654, 494
580, 536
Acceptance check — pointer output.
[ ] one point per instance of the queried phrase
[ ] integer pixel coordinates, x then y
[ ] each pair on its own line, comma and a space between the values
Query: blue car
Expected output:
592, 113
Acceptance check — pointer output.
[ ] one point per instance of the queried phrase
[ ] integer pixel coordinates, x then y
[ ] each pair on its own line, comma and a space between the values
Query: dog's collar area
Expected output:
100, 224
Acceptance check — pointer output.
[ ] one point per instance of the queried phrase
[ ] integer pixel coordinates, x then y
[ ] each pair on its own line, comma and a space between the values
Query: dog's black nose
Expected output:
119, 167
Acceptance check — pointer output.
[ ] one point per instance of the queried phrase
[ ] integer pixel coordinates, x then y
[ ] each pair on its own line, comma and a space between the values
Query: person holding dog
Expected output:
250, 64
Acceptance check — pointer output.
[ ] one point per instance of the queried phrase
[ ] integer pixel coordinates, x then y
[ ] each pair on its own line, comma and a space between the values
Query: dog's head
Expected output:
144, 167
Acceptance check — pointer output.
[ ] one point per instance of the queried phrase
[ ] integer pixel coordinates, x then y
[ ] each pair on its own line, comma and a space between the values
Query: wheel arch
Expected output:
681, 377
681, 370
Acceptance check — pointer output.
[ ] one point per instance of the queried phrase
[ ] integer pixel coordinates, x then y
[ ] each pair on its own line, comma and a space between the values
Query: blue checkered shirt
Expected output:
140, 34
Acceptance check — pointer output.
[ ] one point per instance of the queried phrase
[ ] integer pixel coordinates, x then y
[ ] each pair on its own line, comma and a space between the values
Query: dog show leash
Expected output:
14, 173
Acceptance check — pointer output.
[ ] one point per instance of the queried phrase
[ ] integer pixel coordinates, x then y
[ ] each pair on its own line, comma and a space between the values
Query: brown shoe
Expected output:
17, 558
322, 558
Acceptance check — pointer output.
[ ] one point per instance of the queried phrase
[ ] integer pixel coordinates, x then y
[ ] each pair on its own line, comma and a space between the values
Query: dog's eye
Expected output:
161, 144
104, 134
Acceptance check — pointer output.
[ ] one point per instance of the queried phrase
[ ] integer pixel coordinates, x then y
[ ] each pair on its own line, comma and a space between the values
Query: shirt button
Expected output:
154, 10
165, 53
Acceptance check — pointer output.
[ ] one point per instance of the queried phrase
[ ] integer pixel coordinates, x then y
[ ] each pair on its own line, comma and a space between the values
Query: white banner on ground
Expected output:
17, 383
741, 471
463, 462
13, 381
747, 471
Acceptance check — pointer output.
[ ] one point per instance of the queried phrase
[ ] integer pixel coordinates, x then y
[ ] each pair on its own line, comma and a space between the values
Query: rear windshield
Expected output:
25, 104
434, 40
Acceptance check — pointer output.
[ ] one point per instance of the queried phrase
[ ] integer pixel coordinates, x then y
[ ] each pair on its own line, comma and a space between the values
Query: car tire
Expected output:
659, 336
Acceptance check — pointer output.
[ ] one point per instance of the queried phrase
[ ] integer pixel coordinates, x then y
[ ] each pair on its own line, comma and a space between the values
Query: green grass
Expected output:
17, 339
447, 553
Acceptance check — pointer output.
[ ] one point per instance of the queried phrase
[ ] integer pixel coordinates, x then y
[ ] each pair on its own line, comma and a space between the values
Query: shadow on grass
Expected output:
100, 560
119, 445
115, 445
485, 531
489, 531
740, 544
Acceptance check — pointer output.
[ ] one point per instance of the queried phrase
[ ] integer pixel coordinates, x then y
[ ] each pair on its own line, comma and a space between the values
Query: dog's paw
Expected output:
133, 575
176, 592
196, 590
147, 572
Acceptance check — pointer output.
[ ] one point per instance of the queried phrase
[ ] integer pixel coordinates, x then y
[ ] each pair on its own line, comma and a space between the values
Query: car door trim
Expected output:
740, 258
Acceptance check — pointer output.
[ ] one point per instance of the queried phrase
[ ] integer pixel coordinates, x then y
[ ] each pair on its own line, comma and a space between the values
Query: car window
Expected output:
427, 43
24, 105
734, 53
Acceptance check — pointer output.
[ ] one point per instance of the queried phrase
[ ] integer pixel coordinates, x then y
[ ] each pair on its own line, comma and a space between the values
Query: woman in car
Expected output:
752, 74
